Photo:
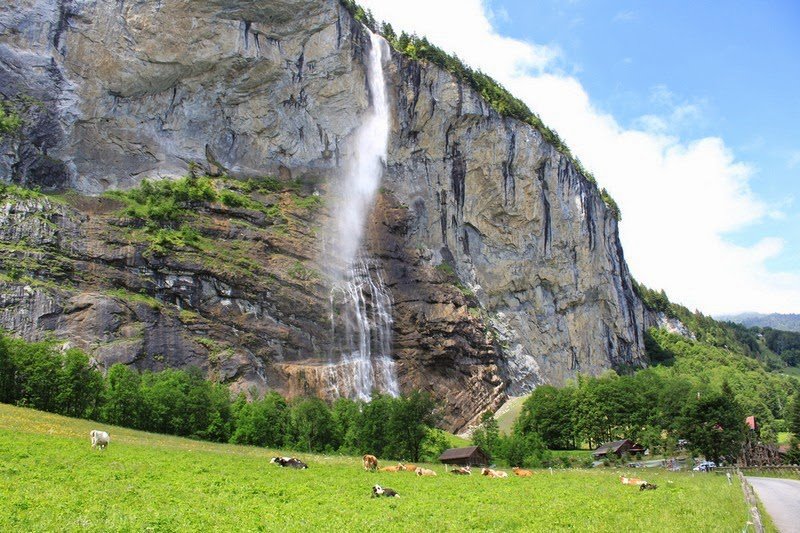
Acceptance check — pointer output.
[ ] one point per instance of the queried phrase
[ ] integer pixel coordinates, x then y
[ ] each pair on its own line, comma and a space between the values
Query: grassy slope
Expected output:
509, 412
51, 479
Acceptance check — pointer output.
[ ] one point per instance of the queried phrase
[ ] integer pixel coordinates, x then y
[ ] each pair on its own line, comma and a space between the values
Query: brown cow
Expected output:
370, 462
521, 472
493, 473
390, 469
631, 481
463, 471
408, 468
424, 472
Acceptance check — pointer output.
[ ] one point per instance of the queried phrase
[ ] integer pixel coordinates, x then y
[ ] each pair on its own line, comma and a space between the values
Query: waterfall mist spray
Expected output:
360, 303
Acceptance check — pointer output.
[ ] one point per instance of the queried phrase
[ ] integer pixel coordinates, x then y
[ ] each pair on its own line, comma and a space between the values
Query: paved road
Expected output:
781, 497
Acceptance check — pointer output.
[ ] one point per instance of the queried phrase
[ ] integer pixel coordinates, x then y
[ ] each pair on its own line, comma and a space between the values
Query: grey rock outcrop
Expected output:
119, 91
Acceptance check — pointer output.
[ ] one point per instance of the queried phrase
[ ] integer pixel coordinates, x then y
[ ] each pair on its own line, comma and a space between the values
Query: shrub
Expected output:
10, 121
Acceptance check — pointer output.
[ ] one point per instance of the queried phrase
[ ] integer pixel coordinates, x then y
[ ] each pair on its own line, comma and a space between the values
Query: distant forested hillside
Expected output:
776, 348
788, 322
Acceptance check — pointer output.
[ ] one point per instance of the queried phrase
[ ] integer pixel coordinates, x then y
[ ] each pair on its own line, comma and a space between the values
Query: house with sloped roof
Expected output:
468, 456
618, 448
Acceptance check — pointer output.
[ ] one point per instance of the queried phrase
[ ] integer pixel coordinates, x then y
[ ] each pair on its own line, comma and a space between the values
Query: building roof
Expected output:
459, 453
615, 446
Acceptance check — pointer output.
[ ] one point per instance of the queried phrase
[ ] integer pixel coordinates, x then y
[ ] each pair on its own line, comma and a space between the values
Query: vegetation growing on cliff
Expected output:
497, 96
10, 121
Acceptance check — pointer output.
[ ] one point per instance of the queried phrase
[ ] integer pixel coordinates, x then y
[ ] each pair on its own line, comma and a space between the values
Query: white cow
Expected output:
100, 439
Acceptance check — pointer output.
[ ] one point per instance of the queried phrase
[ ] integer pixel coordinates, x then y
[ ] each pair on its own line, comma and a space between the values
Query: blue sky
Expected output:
736, 63
687, 112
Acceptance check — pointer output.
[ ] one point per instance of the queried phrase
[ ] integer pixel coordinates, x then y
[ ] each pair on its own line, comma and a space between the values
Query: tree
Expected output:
526, 450
122, 404
8, 390
373, 434
346, 419
548, 412
411, 420
714, 425
794, 416
264, 422
79, 386
434, 445
312, 425
487, 436
37, 374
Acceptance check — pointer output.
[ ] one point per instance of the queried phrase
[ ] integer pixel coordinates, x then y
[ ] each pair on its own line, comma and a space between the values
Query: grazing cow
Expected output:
647, 486
493, 473
408, 468
521, 472
631, 480
100, 439
463, 471
370, 462
378, 491
290, 462
424, 472
391, 469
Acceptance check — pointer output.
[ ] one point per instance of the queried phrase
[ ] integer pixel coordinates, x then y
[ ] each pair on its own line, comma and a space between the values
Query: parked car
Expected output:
705, 466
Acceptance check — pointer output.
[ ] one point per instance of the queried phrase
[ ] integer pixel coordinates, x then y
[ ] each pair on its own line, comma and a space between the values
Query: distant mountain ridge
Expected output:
786, 322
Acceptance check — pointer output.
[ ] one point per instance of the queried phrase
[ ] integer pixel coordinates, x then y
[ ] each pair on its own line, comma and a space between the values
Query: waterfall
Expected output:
361, 308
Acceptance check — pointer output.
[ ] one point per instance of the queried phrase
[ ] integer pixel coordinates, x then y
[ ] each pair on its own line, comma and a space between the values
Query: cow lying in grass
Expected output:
100, 439
647, 486
493, 473
290, 462
391, 469
521, 472
463, 471
632, 480
378, 491
424, 472
370, 462
408, 468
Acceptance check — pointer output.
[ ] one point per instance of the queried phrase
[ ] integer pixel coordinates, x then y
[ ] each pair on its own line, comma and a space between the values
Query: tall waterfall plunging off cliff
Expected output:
360, 304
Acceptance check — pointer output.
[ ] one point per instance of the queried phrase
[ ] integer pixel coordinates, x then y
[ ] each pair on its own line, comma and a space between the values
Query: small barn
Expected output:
618, 448
469, 456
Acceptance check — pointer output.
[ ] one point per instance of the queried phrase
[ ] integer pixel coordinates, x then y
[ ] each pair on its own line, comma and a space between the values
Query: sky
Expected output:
687, 112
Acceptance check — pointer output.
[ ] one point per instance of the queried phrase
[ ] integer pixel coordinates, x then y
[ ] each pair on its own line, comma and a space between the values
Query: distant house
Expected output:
618, 448
469, 456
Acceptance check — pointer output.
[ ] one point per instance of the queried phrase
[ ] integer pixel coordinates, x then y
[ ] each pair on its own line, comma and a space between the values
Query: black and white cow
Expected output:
290, 462
378, 491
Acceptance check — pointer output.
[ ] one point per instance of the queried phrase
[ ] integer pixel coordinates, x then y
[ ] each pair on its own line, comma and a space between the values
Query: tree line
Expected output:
184, 403
701, 394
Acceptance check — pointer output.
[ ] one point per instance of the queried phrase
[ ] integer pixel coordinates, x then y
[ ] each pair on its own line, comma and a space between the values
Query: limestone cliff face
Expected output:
116, 91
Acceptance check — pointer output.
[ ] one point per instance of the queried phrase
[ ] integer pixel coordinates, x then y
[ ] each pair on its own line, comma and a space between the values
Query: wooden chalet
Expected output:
469, 456
618, 448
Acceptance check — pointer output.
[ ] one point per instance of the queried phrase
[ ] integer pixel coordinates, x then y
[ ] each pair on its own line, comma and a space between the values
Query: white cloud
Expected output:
624, 16
794, 160
678, 197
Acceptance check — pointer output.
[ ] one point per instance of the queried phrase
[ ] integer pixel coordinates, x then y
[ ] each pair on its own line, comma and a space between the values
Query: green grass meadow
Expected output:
51, 479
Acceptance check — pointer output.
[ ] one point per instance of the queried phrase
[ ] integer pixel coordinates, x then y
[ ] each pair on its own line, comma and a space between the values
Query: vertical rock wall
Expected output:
504, 263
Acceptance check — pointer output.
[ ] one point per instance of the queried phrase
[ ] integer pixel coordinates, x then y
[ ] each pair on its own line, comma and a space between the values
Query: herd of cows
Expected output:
101, 439
371, 465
